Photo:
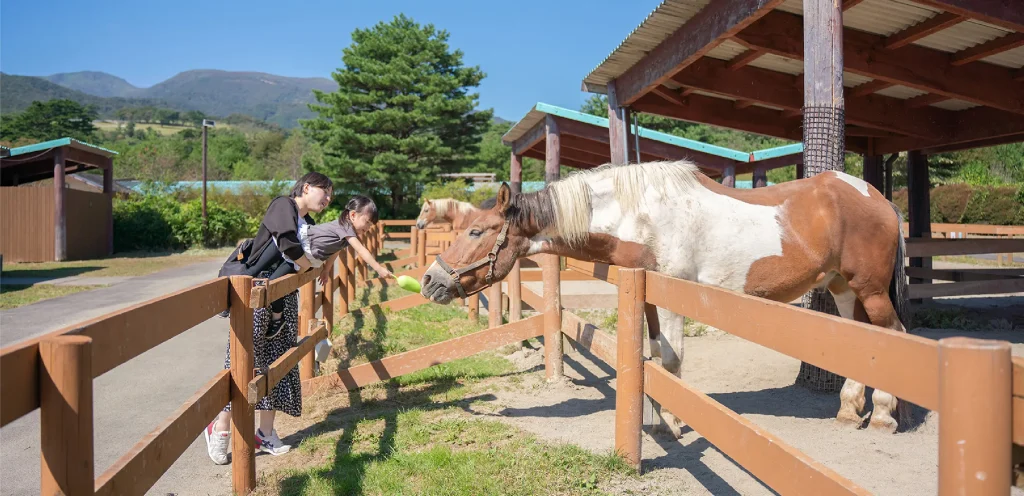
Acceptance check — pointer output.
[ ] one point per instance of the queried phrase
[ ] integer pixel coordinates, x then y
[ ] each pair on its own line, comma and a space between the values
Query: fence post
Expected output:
65, 416
342, 285
552, 318
243, 416
307, 299
364, 270
474, 307
629, 378
975, 390
494, 305
414, 236
421, 248
327, 308
350, 283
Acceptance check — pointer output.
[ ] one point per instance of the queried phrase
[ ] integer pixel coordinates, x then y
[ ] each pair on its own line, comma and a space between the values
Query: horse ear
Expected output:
504, 197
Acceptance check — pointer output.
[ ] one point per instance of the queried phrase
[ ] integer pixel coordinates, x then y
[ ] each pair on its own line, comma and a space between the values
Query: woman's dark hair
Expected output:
359, 204
313, 179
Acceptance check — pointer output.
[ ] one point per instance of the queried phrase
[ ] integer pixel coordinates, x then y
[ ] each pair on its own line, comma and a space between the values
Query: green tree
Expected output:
50, 120
402, 114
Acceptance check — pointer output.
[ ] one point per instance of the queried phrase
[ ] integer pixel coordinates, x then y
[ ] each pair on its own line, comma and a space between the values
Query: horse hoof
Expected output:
849, 419
887, 425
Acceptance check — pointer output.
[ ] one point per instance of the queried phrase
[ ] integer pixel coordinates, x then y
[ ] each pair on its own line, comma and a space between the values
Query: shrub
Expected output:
224, 226
145, 223
966, 204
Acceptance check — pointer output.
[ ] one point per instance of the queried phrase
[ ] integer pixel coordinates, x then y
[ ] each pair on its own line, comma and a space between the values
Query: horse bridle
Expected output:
491, 258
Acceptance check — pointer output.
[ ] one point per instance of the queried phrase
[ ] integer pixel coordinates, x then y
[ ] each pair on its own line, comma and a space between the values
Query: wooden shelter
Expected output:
582, 141
916, 76
55, 223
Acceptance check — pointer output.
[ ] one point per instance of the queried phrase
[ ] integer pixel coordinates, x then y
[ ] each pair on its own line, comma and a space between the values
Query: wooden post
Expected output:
474, 307
629, 389
327, 307
350, 282
108, 190
824, 128
243, 417
515, 174
421, 248
494, 305
364, 270
307, 314
618, 128
919, 212
515, 294
873, 173
414, 237
800, 171
343, 285
552, 282
65, 416
975, 391
729, 177
60, 241
760, 177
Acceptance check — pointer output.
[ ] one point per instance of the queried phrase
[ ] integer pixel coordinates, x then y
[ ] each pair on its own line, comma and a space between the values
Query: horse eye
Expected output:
475, 233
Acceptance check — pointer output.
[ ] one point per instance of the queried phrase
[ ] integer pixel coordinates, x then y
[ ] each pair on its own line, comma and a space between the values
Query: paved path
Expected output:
69, 281
133, 399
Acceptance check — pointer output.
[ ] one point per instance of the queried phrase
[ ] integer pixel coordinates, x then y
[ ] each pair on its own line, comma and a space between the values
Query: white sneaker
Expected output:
217, 444
270, 444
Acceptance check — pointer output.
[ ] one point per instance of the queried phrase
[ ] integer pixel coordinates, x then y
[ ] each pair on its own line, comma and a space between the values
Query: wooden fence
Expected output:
963, 379
965, 239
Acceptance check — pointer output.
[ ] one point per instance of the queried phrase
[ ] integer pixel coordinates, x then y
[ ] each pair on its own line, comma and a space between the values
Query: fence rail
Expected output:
57, 369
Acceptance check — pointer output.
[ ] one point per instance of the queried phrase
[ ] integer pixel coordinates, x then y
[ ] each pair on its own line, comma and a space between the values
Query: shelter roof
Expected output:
936, 75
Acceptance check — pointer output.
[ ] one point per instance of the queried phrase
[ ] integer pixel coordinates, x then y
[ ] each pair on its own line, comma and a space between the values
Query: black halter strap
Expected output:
491, 258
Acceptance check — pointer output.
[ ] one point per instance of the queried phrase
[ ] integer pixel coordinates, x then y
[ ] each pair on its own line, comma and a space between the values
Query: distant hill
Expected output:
20, 91
96, 84
276, 99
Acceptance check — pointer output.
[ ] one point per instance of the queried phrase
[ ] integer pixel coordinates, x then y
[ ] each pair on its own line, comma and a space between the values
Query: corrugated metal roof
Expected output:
955, 105
880, 17
901, 92
46, 145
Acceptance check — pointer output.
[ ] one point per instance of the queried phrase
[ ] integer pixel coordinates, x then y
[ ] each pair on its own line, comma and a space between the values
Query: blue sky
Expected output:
531, 50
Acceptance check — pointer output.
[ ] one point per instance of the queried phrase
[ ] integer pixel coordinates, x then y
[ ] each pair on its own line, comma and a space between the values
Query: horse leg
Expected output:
851, 397
880, 312
670, 342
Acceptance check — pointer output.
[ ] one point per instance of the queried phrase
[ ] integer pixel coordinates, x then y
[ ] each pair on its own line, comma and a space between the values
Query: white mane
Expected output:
571, 196
443, 206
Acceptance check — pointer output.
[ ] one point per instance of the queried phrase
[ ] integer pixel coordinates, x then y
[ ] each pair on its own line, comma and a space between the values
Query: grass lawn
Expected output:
124, 264
159, 128
16, 295
411, 435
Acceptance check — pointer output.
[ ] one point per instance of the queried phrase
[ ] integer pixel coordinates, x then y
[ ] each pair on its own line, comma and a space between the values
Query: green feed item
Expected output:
409, 284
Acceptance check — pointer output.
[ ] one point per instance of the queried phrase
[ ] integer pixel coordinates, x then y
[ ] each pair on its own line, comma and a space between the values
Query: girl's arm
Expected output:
367, 257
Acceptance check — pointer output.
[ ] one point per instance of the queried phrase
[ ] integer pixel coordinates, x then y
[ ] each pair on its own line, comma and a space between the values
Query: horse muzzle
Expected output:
421, 224
437, 285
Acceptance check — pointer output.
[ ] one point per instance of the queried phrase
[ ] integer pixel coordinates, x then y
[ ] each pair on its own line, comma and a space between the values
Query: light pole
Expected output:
206, 124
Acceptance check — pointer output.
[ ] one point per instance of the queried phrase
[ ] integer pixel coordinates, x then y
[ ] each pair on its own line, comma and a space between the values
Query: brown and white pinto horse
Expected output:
833, 231
450, 210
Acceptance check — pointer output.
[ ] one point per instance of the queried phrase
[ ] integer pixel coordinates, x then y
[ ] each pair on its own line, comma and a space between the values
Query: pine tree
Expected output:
402, 114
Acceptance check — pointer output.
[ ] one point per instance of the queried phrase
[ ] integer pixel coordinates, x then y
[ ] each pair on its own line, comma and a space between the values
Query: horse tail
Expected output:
899, 296
898, 288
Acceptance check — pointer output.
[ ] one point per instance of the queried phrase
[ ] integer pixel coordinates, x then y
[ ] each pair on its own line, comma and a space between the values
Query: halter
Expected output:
491, 258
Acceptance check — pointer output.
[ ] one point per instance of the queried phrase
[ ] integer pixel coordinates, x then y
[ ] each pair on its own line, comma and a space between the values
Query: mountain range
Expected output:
277, 99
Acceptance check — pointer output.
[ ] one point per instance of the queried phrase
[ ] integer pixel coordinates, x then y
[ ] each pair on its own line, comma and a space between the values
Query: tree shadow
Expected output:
47, 274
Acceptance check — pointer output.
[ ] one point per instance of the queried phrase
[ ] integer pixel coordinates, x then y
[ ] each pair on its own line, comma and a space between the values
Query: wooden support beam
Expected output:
742, 60
669, 94
988, 49
719, 112
979, 126
618, 126
60, 244
1003, 13
869, 88
565, 161
919, 208
922, 29
849, 4
532, 137
916, 67
778, 89
742, 104
691, 41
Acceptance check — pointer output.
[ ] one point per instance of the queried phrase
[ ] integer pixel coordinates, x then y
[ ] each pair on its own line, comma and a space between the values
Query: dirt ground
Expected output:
752, 380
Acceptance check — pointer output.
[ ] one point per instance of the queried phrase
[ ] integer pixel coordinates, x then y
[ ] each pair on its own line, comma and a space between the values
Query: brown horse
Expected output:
831, 231
450, 210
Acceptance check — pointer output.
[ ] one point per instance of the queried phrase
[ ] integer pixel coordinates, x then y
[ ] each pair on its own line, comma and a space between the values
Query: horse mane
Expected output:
570, 202
442, 206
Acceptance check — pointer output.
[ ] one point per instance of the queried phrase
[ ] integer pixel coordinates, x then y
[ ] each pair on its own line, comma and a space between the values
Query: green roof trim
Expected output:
46, 145
533, 117
778, 151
